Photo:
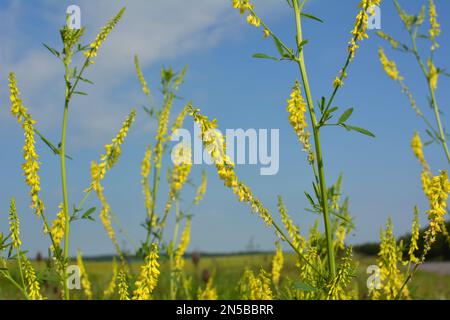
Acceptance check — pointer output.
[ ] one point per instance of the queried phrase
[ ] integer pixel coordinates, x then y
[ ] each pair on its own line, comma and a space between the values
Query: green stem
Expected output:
64, 182
434, 103
173, 274
318, 148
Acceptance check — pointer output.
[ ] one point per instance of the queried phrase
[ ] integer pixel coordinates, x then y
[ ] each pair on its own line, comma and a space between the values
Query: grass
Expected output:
227, 270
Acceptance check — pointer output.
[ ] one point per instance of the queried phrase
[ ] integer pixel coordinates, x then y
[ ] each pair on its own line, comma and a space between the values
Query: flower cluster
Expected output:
435, 28
277, 265
14, 225
85, 283
215, 145
31, 165
58, 225
359, 31
389, 66
101, 37
184, 242
34, 289
296, 107
148, 278
209, 293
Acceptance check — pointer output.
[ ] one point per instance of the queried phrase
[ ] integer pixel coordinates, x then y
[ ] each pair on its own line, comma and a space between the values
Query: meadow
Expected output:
227, 271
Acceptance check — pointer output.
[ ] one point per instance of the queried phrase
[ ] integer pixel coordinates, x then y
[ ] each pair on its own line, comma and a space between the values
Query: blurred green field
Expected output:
227, 271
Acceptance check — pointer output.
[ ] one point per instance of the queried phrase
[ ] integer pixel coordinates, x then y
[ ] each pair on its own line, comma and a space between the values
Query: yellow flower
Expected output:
415, 234
148, 278
436, 189
359, 31
112, 284
293, 231
163, 123
123, 285
254, 20
101, 37
141, 77
146, 167
433, 75
337, 83
253, 287
184, 242
242, 5
216, 147
31, 165
390, 67
14, 225
182, 158
58, 226
34, 288
389, 260
435, 28
417, 147
201, 190
296, 108
266, 33
114, 150
277, 265
209, 293
394, 43
85, 283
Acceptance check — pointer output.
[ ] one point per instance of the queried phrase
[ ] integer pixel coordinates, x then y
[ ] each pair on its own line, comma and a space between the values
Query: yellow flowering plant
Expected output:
431, 73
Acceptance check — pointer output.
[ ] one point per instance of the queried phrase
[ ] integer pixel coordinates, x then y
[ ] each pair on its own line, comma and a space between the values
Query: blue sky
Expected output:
381, 176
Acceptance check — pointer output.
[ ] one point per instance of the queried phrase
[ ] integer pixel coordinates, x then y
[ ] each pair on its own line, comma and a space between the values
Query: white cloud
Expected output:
154, 29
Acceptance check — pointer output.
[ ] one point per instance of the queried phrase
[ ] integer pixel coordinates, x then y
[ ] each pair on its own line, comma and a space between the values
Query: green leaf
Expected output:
279, 46
310, 16
347, 114
88, 213
263, 56
80, 93
53, 51
304, 287
86, 80
358, 129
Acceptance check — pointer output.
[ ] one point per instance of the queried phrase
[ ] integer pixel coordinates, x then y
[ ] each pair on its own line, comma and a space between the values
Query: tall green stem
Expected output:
64, 183
434, 103
318, 148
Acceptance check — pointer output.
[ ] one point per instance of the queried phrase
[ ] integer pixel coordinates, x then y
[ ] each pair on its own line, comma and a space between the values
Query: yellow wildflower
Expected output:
242, 5
415, 233
417, 147
266, 33
337, 83
58, 226
297, 118
101, 37
216, 147
201, 190
433, 75
14, 225
34, 288
163, 122
436, 189
85, 283
254, 20
389, 66
148, 278
141, 77
146, 167
340, 234
277, 265
182, 158
112, 284
123, 285
182, 246
435, 28
209, 293
389, 258
359, 31
293, 231
394, 43
31, 165
114, 150
254, 287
